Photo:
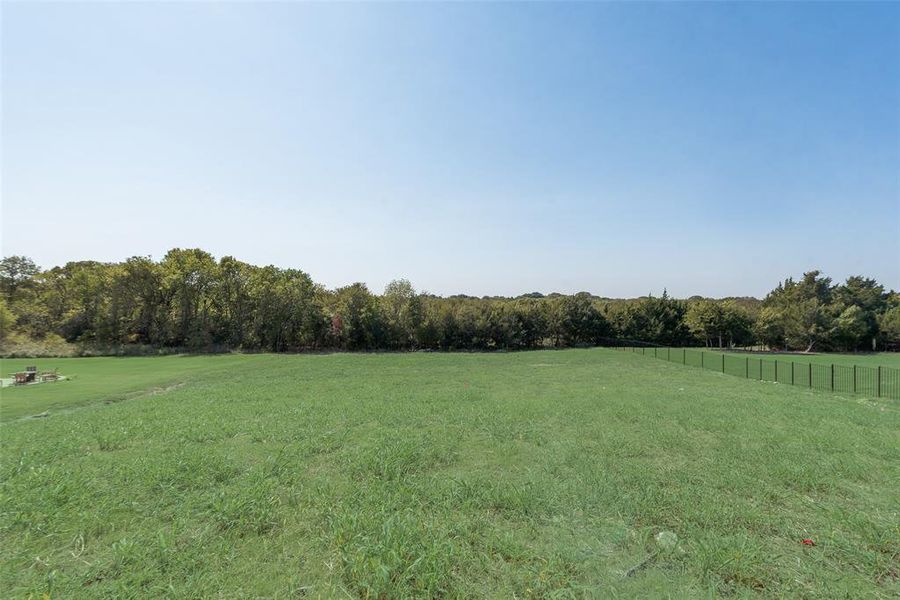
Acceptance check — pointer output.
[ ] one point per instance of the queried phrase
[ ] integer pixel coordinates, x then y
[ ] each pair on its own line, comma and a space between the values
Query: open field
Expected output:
534, 474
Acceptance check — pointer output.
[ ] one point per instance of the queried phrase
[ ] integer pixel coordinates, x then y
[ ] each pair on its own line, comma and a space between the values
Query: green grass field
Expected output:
873, 359
109, 380
836, 373
533, 474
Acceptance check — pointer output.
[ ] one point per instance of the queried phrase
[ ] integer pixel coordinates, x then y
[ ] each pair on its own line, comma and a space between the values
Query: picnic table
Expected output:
23, 377
31, 375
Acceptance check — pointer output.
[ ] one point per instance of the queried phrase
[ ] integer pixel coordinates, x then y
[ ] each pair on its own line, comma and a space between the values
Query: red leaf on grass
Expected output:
808, 542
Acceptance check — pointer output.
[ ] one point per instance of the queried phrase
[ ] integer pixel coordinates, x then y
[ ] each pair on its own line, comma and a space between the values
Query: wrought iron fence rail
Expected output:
877, 382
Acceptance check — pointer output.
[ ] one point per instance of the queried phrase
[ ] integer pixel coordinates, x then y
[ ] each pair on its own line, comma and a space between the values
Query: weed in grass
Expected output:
393, 458
733, 563
388, 554
252, 508
186, 471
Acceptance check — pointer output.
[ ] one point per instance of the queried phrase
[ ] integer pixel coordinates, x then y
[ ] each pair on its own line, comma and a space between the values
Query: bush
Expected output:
50, 346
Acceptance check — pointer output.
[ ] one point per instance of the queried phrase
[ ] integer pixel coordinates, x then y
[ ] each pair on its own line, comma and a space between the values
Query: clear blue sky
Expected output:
479, 148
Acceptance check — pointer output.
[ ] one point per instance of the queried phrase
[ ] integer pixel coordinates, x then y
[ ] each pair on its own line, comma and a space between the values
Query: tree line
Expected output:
191, 301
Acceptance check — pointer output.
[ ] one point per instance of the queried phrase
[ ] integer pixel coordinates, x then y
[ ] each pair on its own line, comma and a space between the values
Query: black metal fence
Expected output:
876, 382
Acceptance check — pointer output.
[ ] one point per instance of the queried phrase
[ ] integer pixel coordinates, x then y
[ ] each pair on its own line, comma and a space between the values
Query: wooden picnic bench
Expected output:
31, 375
24, 377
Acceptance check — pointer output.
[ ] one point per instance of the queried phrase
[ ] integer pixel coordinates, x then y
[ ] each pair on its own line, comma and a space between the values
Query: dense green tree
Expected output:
803, 309
7, 320
769, 327
402, 314
355, 317
574, 320
77, 297
138, 296
852, 327
863, 292
531, 321
234, 304
653, 320
868, 296
738, 324
188, 300
16, 272
719, 323
814, 314
285, 315
706, 320
889, 325
188, 280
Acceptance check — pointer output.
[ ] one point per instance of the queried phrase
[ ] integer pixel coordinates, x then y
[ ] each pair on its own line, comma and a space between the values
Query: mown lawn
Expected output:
534, 474
109, 379
870, 359
863, 359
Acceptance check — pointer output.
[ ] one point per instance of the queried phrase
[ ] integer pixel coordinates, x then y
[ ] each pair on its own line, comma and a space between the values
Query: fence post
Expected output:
832, 377
878, 383
854, 379
746, 367
810, 374
669, 354
776, 370
723, 363
684, 356
792, 372
760, 368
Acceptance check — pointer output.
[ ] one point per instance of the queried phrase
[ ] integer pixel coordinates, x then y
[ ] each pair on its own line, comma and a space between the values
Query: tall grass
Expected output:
542, 475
